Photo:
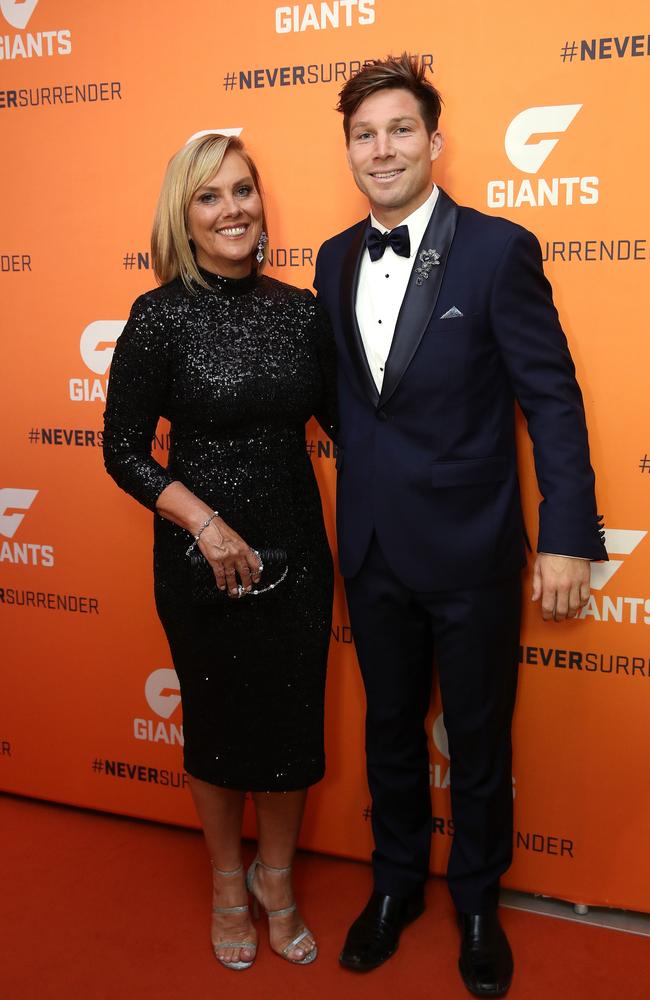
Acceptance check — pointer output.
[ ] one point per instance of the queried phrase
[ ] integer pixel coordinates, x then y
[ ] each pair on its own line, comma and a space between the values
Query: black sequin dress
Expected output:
237, 369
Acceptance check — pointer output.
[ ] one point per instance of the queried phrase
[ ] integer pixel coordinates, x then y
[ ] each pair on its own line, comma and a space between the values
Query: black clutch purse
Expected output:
204, 586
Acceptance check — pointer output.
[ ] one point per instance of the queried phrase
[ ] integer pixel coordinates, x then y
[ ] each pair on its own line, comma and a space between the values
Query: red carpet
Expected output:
102, 908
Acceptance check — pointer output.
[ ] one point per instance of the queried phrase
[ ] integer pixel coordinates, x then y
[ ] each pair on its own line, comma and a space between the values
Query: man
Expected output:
443, 317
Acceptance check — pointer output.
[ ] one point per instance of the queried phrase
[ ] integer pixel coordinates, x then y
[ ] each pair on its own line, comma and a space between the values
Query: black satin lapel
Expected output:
349, 283
420, 300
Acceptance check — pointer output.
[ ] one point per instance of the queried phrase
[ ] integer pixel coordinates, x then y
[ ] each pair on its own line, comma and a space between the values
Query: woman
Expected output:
237, 362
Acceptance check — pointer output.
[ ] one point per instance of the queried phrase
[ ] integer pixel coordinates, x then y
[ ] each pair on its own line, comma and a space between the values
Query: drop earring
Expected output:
261, 243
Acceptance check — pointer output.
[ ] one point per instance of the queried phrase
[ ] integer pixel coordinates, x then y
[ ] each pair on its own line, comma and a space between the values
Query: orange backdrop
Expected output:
94, 98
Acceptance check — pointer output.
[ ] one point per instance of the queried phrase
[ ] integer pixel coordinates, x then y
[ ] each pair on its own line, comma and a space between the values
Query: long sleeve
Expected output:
542, 374
137, 390
326, 413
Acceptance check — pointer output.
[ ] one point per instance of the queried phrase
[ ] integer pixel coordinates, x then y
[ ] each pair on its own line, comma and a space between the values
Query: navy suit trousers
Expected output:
473, 637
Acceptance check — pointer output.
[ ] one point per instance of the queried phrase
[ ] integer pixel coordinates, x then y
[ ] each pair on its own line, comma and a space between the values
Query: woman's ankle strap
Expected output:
271, 868
224, 874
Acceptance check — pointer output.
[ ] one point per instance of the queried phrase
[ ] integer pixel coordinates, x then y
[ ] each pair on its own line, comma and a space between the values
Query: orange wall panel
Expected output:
94, 99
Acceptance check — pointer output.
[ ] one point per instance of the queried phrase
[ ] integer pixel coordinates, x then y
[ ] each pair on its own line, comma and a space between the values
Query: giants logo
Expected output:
529, 156
618, 542
18, 12
601, 607
13, 505
44, 43
337, 14
96, 346
12, 501
162, 692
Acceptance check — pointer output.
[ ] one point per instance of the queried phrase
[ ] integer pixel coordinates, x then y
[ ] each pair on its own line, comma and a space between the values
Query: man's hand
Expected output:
563, 585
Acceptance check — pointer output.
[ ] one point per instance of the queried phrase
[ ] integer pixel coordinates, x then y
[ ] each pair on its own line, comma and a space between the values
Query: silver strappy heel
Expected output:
220, 945
285, 912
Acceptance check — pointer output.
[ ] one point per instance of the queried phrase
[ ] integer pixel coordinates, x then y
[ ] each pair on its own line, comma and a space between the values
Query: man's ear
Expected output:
437, 144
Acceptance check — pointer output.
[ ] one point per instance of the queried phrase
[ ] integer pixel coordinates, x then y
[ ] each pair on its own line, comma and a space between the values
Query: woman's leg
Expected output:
220, 811
279, 815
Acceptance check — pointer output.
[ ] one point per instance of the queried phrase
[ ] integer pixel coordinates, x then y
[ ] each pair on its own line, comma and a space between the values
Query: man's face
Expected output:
390, 154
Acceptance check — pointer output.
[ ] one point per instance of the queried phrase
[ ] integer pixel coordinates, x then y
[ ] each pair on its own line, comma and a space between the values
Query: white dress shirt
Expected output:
382, 286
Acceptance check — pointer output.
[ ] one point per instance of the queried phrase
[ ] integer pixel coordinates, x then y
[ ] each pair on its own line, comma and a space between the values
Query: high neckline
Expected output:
234, 285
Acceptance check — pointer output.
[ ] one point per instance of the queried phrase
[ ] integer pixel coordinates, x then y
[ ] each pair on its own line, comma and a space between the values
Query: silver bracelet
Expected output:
263, 590
201, 530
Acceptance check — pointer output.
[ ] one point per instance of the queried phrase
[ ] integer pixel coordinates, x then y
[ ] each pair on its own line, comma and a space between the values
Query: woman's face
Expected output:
225, 219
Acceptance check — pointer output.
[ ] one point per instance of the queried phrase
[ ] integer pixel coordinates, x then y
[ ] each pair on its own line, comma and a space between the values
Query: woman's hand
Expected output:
234, 563
228, 554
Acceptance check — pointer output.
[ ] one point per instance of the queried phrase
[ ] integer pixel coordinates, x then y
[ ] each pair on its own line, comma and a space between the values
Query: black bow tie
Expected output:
398, 239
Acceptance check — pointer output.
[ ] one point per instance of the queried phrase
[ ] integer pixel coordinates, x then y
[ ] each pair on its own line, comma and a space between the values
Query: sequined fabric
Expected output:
237, 369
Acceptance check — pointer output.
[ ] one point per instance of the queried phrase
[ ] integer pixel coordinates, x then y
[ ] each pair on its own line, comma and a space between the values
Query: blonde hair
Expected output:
191, 167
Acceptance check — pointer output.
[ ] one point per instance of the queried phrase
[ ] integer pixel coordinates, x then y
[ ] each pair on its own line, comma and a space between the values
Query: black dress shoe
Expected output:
374, 935
485, 961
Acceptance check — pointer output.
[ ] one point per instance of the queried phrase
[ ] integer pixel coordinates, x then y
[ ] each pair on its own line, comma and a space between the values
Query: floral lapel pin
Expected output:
428, 259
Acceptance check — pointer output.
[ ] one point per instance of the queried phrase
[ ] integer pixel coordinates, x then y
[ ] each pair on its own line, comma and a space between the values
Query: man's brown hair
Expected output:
392, 73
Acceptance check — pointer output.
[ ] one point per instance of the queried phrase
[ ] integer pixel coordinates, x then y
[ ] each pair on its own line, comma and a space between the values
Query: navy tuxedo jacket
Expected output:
429, 463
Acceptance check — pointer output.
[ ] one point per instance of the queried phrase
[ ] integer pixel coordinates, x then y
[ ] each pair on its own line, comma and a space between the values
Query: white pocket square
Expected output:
452, 313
